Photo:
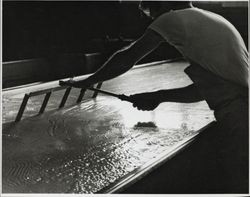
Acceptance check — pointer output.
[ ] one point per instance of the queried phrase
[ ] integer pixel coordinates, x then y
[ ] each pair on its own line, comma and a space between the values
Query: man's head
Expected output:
156, 8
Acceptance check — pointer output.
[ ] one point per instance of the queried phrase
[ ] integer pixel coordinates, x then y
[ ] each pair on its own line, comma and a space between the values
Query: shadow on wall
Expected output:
47, 69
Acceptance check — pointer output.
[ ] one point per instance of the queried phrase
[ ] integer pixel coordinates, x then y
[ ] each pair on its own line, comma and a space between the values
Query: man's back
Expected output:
208, 40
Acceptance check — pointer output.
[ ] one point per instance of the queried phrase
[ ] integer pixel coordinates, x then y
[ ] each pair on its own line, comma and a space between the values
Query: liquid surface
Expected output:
86, 147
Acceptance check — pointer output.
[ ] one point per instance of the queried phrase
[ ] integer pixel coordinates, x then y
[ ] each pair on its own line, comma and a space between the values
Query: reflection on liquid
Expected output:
84, 148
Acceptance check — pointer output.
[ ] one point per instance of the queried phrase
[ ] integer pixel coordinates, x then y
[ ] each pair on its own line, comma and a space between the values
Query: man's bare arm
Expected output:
151, 100
124, 59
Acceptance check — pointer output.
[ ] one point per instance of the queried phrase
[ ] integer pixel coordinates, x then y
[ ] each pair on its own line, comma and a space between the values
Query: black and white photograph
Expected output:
125, 97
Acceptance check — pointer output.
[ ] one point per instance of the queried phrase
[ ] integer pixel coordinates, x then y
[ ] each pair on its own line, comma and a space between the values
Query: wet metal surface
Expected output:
86, 147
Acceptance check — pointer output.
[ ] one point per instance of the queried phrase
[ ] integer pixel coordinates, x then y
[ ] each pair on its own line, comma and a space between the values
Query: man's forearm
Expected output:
115, 66
188, 94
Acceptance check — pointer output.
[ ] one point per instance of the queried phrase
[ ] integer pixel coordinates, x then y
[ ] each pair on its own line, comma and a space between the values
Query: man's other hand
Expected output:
75, 84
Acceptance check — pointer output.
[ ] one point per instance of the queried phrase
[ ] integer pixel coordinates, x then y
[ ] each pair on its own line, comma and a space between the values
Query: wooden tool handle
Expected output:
123, 97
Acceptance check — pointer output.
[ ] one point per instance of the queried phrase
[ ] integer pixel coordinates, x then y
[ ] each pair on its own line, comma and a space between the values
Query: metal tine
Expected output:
81, 95
45, 102
48, 93
99, 85
65, 97
22, 107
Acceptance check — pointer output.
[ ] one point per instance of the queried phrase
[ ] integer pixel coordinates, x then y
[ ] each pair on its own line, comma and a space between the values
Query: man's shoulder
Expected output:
166, 19
174, 17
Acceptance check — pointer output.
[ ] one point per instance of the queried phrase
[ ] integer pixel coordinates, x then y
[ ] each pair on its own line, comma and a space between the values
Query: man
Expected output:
218, 68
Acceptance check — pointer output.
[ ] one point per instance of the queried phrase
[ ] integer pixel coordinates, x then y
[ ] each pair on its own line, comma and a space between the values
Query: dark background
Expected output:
39, 29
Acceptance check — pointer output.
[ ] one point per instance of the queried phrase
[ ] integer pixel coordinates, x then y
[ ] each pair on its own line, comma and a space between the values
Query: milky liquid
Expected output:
87, 147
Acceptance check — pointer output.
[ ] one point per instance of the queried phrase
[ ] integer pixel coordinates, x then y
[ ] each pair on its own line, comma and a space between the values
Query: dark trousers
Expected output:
230, 104
232, 140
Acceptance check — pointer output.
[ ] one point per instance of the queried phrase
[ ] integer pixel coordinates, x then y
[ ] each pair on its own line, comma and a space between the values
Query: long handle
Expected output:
120, 96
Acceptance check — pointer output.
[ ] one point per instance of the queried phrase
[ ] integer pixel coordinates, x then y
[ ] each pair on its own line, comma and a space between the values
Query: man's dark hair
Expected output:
167, 5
